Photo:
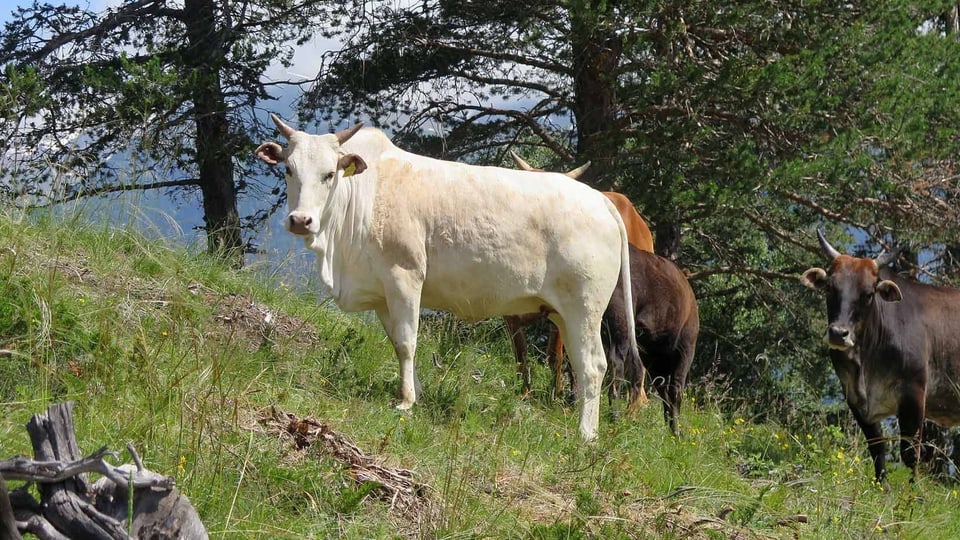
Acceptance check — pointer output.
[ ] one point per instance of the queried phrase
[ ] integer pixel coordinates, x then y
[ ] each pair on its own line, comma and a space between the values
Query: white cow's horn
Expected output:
521, 163
345, 134
578, 172
825, 246
285, 130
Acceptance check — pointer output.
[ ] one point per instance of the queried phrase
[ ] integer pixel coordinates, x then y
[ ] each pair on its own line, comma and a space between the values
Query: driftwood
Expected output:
71, 508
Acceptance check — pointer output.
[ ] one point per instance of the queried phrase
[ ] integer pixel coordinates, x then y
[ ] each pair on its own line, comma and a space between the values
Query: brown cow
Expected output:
638, 235
667, 327
895, 345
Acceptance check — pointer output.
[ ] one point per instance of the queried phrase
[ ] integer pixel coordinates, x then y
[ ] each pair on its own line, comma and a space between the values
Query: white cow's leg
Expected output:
401, 319
585, 350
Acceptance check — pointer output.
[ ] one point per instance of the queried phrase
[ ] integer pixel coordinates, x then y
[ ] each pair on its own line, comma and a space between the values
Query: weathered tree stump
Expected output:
70, 508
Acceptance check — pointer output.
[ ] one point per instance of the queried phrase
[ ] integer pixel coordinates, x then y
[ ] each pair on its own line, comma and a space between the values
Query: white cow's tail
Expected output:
625, 279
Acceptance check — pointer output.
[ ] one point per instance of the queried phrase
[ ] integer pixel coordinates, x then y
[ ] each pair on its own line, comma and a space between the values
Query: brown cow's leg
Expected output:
910, 417
876, 444
640, 389
518, 341
555, 359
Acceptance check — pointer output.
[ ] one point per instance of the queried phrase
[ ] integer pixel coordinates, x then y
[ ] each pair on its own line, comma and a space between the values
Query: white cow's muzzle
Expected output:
300, 223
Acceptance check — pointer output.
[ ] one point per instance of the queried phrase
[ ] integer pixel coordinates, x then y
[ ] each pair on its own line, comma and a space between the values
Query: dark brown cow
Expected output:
667, 326
895, 345
638, 235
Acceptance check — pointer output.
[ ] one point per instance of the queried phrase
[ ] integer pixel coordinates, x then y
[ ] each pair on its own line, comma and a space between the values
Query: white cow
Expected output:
395, 232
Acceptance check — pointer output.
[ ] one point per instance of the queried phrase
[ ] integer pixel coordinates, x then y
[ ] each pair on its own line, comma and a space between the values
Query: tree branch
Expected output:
506, 57
741, 271
128, 13
513, 83
823, 211
103, 190
527, 120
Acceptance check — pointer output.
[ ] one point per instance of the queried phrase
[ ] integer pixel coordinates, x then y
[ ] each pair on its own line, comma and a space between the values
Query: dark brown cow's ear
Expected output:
814, 278
352, 164
889, 291
270, 152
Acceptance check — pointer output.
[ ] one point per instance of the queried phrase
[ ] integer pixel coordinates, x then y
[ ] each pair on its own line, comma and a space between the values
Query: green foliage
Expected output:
146, 96
736, 128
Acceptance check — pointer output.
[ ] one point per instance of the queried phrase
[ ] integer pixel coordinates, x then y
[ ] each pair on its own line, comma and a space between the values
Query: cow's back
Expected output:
492, 241
638, 232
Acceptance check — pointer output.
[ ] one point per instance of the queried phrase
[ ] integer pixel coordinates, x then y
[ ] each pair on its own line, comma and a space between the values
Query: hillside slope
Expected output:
194, 363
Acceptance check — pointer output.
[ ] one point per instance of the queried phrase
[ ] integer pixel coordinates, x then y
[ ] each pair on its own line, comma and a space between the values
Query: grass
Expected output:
170, 351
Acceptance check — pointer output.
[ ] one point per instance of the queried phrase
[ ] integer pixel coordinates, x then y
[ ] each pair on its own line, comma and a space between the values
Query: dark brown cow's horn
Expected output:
285, 130
885, 258
825, 246
345, 134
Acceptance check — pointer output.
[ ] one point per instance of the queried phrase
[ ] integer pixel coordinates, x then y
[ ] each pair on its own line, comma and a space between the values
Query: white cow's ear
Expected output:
270, 152
352, 164
889, 291
814, 278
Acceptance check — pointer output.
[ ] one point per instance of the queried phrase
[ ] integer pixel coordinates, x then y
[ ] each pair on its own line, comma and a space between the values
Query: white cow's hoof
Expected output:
404, 406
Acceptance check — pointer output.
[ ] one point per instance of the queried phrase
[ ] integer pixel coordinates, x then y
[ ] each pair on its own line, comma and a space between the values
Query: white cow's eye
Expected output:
328, 177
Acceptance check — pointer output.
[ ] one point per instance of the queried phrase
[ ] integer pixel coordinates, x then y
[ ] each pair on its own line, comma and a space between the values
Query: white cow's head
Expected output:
314, 164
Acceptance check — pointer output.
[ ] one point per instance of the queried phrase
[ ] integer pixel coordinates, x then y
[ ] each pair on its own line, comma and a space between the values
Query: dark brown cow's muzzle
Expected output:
838, 337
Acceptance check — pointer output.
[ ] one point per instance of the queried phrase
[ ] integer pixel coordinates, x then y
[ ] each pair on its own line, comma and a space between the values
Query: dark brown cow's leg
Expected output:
670, 391
876, 444
910, 417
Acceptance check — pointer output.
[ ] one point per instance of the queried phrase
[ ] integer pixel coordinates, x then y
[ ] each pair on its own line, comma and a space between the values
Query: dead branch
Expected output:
395, 486
71, 508
23, 468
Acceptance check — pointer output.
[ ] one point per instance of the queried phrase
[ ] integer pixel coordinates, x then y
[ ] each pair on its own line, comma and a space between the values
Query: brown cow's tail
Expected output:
627, 282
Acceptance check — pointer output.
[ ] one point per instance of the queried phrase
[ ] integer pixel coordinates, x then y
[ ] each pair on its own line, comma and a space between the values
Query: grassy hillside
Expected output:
185, 358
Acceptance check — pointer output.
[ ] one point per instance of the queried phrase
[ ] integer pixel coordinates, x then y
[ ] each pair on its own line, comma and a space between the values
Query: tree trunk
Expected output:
597, 50
952, 19
667, 234
214, 141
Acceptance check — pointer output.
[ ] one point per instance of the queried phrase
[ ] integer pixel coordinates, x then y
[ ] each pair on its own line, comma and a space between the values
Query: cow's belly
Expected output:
522, 277
881, 405
882, 398
943, 402
478, 291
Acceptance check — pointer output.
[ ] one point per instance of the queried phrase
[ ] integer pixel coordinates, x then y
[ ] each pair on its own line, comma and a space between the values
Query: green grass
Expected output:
161, 348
